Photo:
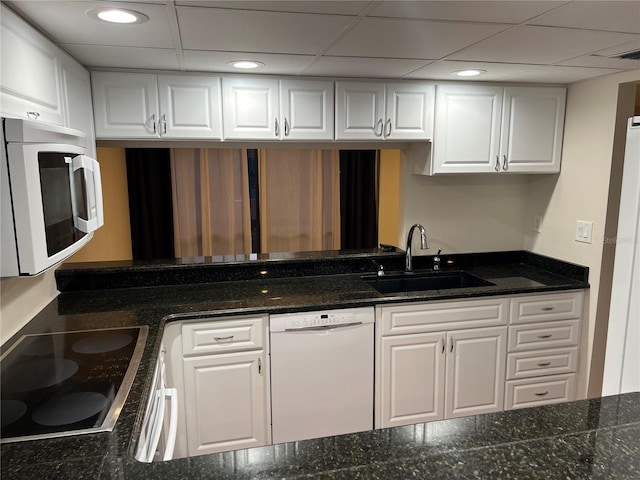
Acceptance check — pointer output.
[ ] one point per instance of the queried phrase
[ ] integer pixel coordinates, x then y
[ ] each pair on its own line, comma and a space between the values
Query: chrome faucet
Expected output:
423, 245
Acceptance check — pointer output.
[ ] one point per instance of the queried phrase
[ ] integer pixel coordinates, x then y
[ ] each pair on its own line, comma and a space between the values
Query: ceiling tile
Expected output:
513, 12
123, 57
67, 23
389, 38
335, 7
251, 31
613, 16
540, 45
558, 74
364, 67
205, 61
627, 47
443, 70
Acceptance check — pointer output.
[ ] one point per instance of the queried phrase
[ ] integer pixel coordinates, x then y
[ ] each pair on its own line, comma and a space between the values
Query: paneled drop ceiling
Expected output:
516, 41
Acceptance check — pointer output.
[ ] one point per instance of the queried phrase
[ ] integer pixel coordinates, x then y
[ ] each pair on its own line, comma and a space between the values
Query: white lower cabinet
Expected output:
433, 375
542, 357
226, 398
220, 368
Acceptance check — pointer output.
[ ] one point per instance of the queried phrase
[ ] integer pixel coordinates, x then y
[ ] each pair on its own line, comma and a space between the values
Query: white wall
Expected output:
21, 299
581, 191
465, 213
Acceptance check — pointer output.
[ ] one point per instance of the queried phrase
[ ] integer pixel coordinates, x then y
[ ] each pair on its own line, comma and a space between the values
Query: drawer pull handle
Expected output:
541, 394
546, 335
223, 339
548, 309
544, 364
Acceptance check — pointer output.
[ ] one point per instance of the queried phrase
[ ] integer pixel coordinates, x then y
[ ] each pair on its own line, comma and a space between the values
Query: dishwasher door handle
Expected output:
322, 327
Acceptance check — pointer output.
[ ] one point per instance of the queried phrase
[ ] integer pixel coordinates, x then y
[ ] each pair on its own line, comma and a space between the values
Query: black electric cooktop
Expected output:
67, 383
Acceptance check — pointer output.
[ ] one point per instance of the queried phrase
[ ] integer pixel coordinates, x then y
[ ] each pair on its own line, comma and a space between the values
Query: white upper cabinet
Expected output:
376, 111
409, 112
30, 83
78, 109
359, 110
250, 109
190, 106
307, 110
265, 109
467, 128
497, 129
532, 126
134, 105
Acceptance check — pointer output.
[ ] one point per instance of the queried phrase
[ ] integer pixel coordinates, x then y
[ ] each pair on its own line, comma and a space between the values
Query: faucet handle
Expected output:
436, 260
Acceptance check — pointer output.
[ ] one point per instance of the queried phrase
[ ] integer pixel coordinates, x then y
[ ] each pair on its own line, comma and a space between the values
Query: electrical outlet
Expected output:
584, 231
537, 224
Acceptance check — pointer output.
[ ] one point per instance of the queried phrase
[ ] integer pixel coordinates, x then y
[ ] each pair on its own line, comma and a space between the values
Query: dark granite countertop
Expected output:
573, 437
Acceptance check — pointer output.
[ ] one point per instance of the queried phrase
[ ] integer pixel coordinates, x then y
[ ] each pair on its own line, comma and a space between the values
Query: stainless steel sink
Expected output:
416, 282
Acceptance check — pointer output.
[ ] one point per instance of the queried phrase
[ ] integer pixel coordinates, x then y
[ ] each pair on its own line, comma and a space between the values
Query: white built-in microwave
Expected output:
51, 195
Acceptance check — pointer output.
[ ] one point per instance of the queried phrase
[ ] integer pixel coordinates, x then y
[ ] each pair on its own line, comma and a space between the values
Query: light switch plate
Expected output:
584, 231
537, 224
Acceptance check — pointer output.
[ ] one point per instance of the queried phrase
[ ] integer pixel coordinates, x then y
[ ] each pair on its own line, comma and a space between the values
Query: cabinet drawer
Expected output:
540, 391
245, 333
544, 308
543, 335
541, 362
443, 316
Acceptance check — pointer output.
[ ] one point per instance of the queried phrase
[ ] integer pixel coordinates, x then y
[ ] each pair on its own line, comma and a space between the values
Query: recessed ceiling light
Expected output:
469, 73
118, 15
245, 64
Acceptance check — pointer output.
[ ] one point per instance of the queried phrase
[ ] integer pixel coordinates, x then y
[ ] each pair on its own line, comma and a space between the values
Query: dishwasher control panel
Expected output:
321, 320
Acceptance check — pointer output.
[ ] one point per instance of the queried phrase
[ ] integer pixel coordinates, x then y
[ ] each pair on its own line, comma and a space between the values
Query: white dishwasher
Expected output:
321, 373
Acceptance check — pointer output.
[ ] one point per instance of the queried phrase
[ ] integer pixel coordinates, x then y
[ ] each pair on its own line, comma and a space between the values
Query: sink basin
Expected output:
415, 282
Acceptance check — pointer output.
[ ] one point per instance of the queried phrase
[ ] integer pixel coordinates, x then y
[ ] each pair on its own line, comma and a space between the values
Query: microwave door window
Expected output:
58, 206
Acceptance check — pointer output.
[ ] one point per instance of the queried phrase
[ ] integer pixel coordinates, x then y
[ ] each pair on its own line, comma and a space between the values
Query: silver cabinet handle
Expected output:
164, 124
387, 128
286, 127
259, 366
223, 339
497, 167
277, 128
544, 364
451, 345
380, 126
548, 309
153, 123
541, 394
505, 165
443, 344
546, 335
33, 115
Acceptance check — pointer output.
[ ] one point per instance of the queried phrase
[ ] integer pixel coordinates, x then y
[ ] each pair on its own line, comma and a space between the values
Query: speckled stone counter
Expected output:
586, 439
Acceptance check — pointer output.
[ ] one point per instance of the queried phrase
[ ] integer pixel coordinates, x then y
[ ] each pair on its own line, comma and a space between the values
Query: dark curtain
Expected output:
150, 203
358, 199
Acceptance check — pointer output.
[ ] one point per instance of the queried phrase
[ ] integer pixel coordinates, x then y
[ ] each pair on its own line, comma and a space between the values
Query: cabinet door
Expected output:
475, 371
307, 110
250, 109
190, 107
532, 128
30, 85
409, 108
78, 108
467, 129
125, 105
411, 379
226, 395
360, 110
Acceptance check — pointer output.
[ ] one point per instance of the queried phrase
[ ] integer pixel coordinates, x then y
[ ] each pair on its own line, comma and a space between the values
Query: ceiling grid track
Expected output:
175, 32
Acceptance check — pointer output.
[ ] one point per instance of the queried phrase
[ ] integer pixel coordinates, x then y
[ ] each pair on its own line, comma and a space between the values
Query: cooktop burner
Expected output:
66, 383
